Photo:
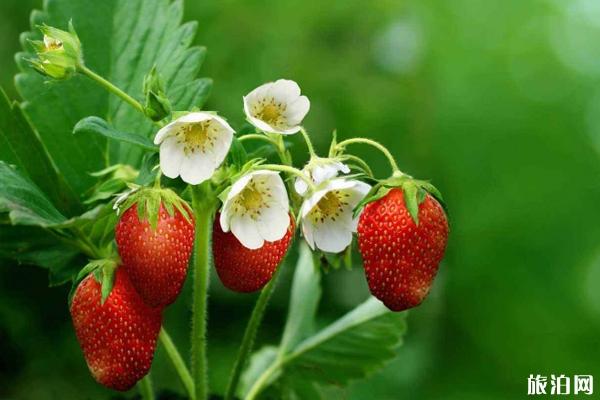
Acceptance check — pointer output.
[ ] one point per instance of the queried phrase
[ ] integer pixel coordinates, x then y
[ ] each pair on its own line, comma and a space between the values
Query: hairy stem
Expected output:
311, 149
178, 363
145, 388
378, 146
250, 335
111, 88
203, 205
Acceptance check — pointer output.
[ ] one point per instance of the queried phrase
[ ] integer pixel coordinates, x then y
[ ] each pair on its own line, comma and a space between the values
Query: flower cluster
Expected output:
256, 208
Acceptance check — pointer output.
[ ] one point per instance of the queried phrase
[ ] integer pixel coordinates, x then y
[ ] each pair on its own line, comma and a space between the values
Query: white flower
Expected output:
320, 170
276, 107
193, 146
326, 215
256, 209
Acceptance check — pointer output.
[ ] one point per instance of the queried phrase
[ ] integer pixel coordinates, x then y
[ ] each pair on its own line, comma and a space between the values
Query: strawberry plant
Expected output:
124, 187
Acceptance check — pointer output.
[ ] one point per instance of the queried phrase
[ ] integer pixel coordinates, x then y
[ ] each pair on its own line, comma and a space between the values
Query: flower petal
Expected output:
171, 157
308, 233
297, 110
332, 237
197, 168
245, 230
273, 222
284, 90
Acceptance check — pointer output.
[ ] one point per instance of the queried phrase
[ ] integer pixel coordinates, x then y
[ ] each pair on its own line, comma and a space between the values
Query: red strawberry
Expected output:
400, 257
156, 258
118, 338
242, 269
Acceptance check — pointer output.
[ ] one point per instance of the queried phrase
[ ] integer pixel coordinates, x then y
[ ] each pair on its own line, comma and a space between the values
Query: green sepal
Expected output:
415, 192
149, 200
157, 105
103, 270
411, 201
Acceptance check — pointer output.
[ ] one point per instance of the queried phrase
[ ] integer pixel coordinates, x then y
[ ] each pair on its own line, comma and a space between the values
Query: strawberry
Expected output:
242, 269
155, 241
401, 250
117, 336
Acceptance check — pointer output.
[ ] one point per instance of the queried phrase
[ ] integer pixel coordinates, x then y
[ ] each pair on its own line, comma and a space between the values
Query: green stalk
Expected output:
202, 203
250, 335
378, 146
111, 88
178, 363
145, 388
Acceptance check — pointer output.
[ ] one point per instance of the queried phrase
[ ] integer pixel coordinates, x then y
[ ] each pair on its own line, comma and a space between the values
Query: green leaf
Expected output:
352, 347
121, 40
259, 362
24, 201
96, 125
97, 225
20, 146
304, 300
31, 245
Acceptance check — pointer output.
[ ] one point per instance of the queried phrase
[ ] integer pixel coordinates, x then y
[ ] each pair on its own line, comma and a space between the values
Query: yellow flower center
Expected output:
252, 200
330, 206
271, 112
197, 136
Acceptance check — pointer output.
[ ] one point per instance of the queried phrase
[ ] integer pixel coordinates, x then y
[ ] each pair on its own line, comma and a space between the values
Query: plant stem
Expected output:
311, 149
290, 170
111, 88
145, 388
284, 155
202, 203
250, 335
178, 363
262, 380
378, 146
257, 136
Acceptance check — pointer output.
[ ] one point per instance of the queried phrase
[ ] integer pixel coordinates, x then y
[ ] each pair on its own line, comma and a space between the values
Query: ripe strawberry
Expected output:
155, 250
401, 257
242, 269
118, 338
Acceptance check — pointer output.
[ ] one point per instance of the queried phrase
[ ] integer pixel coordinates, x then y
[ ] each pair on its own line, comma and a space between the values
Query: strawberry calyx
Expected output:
149, 200
104, 272
415, 191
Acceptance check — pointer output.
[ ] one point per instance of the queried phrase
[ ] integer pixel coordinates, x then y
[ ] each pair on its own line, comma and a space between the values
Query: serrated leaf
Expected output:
20, 146
24, 201
98, 126
350, 348
304, 300
122, 40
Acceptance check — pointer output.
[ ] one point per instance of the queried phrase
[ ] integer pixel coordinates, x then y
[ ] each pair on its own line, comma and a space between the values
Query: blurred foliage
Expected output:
498, 102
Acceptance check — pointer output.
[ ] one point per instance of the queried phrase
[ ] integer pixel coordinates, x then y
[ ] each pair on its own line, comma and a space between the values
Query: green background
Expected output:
498, 102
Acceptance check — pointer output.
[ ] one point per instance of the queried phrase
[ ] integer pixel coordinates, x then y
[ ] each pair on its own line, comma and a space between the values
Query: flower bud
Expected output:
59, 54
157, 105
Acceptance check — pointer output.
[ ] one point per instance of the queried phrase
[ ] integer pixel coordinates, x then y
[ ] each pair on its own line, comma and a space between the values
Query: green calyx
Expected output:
415, 191
59, 54
104, 272
157, 105
149, 200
